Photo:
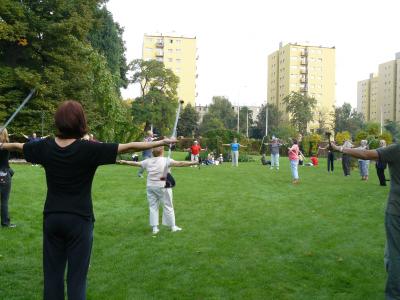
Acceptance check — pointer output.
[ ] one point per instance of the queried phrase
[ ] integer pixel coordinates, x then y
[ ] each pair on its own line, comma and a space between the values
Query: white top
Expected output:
155, 168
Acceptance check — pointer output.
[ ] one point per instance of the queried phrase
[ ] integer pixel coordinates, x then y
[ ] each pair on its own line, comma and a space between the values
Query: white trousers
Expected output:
155, 196
235, 158
275, 160
194, 157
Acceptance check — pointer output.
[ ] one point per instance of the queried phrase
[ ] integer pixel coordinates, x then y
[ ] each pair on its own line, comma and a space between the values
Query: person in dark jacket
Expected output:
381, 166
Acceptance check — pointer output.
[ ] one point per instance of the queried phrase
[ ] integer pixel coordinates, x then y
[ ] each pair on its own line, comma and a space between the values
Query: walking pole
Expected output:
173, 136
18, 109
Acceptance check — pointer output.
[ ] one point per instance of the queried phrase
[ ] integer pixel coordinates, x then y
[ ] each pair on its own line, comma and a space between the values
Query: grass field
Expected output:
248, 233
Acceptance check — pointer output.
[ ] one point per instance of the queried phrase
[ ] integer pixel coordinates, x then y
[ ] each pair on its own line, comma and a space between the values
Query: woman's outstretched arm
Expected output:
139, 146
12, 146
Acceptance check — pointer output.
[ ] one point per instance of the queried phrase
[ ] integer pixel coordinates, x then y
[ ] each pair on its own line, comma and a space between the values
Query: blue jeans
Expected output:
5, 189
293, 167
392, 256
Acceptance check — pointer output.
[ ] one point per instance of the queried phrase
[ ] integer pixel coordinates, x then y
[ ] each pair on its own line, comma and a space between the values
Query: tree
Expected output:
274, 121
220, 115
45, 44
348, 119
393, 127
157, 104
342, 136
245, 113
301, 109
188, 120
211, 122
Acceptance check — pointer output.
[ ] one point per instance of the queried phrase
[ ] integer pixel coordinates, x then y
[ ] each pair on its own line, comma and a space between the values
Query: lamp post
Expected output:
247, 123
266, 119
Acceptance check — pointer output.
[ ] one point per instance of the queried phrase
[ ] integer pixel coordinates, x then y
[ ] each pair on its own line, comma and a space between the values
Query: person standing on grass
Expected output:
363, 164
294, 161
235, 146
346, 159
391, 156
156, 191
195, 151
5, 181
275, 145
146, 153
381, 166
70, 164
330, 158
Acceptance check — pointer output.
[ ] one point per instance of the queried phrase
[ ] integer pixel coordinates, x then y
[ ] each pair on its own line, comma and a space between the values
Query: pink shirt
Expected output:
294, 152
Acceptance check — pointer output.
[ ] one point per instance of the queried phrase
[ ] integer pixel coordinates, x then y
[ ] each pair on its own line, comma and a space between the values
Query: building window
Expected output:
178, 60
178, 41
149, 40
178, 50
169, 59
171, 41
159, 59
159, 40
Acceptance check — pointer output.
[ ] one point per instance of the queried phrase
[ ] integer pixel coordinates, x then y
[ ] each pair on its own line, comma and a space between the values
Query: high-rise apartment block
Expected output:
179, 54
378, 98
302, 68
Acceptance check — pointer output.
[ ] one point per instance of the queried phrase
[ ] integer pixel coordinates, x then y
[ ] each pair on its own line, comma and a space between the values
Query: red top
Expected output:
195, 149
314, 160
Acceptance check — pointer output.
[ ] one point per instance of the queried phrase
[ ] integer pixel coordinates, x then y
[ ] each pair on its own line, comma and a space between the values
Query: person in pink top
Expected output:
294, 161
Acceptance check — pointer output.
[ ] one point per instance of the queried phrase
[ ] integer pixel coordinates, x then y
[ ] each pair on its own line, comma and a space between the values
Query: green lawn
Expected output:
248, 233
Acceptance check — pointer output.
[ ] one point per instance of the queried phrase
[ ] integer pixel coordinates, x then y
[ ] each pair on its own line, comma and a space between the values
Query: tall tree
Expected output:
188, 121
245, 118
301, 109
222, 109
274, 121
156, 106
348, 119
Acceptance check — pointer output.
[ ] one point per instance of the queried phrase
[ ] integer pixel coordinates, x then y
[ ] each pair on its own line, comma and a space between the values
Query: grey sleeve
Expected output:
389, 154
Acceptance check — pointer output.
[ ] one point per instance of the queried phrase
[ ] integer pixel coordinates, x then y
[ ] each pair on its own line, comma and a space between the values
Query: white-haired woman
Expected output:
5, 181
363, 164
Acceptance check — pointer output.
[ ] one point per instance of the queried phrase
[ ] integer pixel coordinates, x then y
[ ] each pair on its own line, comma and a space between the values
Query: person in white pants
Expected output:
235, 151
275, 145
156, 192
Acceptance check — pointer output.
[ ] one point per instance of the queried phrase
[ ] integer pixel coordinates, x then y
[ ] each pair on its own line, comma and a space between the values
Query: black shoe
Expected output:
8, 225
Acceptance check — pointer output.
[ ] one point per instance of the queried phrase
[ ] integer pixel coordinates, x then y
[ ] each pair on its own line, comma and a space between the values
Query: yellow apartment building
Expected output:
179, 54
378, 98
302, 68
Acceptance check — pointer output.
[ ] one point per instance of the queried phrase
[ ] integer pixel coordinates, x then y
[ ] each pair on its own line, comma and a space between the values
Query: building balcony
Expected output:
160, 54
303, 61
160, 44
303, 71
304, 52
303, 79
303, 89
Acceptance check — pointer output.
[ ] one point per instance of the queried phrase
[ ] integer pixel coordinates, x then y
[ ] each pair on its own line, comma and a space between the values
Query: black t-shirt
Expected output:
69, 172
4, 157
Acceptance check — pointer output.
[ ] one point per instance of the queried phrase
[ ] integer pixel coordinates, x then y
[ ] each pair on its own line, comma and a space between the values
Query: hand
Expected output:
334, 147
169, 141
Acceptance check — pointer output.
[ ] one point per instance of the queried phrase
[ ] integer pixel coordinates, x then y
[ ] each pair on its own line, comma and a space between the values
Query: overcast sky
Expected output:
234, 38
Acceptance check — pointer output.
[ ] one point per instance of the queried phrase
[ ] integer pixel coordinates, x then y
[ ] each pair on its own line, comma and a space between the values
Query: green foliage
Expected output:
373, 128
361, 135
245, 120
310, 144
387, 136
220, 116
301, 109
341, 137
45, 44
393, 127
348, 119
274, 121
188, 120
159, 101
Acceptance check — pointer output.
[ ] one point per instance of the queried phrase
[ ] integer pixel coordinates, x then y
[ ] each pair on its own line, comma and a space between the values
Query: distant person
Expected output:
391, 156
314, 160
220, 159
146, 153
5, 180
330, 158
235, 146
32, 138
157, 193
274, 146
346, 158
381, 166
363, 164
195, 150
293, 153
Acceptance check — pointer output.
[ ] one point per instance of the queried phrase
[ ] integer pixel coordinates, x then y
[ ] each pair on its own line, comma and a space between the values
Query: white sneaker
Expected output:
155, 230
175, 228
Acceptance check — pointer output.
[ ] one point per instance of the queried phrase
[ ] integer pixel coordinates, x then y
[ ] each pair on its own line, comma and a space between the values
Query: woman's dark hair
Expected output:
294, 141
70, 120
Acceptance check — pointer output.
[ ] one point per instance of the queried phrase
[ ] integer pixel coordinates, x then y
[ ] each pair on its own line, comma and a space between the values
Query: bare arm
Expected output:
226, 144
135, 146
12, 146
25, 136
130, 163
242, 146
183, 163
358, 153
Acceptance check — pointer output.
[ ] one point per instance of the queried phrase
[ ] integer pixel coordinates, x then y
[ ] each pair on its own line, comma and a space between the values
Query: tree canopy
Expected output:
301, 109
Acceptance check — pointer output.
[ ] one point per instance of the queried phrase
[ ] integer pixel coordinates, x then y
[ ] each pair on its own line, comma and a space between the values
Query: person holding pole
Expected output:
391, 156
235, 146
70, 164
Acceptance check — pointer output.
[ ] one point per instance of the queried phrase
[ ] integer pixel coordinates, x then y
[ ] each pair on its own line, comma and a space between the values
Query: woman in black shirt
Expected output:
70, 164
5, 181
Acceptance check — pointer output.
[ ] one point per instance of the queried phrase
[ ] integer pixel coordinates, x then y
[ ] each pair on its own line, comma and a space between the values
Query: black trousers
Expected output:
346, 163
330, 160
67, 239
5, 189
381, 175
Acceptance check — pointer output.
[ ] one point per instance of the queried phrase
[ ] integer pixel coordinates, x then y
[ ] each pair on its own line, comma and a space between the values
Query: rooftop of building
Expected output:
305, 44
169, 35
